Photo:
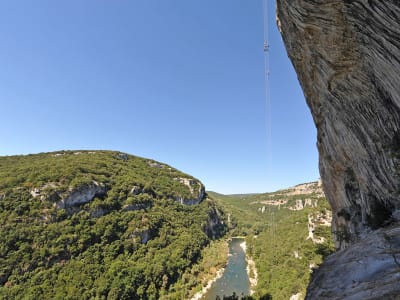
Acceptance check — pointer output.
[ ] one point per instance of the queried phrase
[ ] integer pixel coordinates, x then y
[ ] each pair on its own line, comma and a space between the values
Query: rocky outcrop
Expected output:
197, 191
195, 187
35, 192
370, 269
347, 57
305, 189
299, 205
123, 156
136, 190
155, 164
81, 195
189, 202
215, 226
296, 296
311, 229
141, 235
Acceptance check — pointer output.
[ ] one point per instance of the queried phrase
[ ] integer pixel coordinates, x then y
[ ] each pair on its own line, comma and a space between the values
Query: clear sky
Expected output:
178, 81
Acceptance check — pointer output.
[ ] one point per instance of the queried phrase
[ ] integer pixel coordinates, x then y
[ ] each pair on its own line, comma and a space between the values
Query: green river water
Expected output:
235, 278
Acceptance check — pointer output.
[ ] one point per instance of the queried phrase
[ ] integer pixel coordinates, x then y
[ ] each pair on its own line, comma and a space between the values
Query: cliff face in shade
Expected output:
369, 269
347, 58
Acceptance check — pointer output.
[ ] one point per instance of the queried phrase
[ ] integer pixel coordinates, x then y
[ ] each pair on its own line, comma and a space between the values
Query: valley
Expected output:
108, 225
287, 235
104, 225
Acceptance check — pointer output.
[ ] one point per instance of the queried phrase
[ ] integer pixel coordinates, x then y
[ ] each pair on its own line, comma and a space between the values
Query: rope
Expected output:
269, 135
266, 79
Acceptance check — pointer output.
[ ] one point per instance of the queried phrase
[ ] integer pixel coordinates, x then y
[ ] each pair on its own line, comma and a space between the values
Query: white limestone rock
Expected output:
35, 192
82, 194
296, 297
136, 190
197, 191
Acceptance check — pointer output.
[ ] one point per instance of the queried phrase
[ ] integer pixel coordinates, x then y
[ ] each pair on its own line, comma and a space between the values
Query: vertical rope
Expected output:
268, 124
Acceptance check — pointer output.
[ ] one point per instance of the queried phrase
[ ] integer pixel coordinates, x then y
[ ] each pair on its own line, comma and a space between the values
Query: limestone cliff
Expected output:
347, 58
369, 269
197, 191
81, 195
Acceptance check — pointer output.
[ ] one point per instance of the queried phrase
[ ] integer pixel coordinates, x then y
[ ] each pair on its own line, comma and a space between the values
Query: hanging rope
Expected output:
266, 78
269, 136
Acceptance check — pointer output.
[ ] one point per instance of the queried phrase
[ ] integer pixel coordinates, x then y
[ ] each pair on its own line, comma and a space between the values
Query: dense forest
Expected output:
287, 234
104, 225
108, 225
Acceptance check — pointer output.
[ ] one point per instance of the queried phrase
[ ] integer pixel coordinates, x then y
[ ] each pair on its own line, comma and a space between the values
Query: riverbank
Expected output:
212, 267
234, 280
251, 269
204, 290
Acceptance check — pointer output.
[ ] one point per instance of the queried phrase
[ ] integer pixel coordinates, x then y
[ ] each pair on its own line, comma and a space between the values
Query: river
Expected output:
235, 278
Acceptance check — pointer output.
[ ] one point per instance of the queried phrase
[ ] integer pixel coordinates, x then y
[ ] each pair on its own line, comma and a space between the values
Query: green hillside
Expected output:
103, 225
277, 230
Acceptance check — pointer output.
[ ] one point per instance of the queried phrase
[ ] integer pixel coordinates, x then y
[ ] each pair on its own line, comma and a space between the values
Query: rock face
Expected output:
371, 269
82, 195
196, 188
214, 227
347, 58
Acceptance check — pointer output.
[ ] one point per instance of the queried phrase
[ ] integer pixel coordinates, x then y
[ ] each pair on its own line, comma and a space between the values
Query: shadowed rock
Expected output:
347, 58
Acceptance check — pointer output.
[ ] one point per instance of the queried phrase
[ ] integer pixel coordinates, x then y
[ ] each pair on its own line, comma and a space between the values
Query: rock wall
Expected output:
197, 191
81, 195
347, 58
369, 269
215, 226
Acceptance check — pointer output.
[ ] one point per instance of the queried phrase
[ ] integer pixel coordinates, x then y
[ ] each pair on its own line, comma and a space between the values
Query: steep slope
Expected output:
347, 58
287, 234
100, 224
369, 269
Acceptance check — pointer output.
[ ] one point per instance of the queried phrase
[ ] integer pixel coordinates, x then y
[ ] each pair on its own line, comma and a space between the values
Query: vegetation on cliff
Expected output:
101, 225
287, 235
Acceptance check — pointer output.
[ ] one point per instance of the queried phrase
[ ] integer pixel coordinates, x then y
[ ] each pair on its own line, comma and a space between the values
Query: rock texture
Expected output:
197, 191
81, 195
371, 268
214, 227
347, 58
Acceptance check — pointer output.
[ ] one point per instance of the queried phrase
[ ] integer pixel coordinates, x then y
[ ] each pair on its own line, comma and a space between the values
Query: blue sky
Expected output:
178, 81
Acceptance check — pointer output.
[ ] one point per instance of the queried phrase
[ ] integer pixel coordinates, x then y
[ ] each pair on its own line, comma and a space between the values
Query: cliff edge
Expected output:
347, 58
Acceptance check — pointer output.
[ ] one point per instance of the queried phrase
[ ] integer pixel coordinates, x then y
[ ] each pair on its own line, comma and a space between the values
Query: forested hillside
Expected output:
103, 225
287, 235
